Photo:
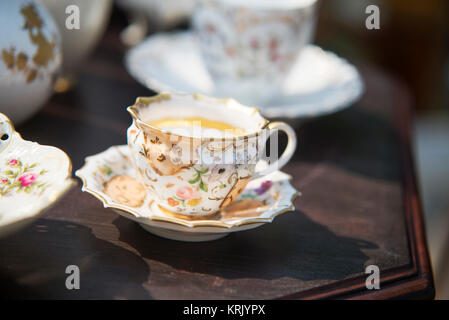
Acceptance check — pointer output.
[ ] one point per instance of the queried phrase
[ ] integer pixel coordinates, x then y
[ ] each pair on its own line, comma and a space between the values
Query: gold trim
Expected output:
134, 111
186, 217
177, 221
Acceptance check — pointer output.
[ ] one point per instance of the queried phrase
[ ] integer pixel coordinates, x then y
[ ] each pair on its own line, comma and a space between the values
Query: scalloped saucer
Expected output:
110, 177
32, 178
320, 82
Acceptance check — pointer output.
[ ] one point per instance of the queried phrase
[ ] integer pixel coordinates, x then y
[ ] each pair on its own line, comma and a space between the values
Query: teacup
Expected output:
196, 154
249, 47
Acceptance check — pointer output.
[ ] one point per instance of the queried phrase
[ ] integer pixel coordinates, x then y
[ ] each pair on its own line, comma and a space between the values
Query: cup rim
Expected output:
227, 102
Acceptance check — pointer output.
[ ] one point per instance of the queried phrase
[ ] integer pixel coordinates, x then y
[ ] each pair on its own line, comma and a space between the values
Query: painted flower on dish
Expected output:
261, 190
105, 170
28, 179
19, 177
264, 187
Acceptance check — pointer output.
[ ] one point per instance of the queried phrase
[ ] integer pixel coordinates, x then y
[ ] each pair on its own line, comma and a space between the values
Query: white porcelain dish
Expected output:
32, 178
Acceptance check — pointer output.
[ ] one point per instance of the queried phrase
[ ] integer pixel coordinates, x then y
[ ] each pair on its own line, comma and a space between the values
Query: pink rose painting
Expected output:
18, 177
27, 179
185, 196
187, 193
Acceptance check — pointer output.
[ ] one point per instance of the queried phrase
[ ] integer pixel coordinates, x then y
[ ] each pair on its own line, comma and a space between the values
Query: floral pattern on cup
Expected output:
197, 179
211, 184
20, 177
186, 196
257, 45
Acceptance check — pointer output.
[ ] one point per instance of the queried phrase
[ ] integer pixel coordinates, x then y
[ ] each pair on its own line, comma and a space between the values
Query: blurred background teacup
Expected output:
249, 47
77, 44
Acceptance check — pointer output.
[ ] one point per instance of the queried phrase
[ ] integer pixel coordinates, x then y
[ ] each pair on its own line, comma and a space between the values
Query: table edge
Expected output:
412, 281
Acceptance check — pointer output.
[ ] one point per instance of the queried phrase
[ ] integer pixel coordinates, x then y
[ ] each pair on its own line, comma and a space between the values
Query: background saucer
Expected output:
320, 82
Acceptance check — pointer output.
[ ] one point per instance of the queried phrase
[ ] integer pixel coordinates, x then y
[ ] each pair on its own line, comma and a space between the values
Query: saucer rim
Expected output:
177, 221
287, 110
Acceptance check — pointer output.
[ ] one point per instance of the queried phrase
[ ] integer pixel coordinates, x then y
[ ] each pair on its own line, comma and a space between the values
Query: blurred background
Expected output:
413, 46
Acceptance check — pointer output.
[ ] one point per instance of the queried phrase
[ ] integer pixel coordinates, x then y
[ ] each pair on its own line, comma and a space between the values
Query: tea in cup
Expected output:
249, 47
195, 154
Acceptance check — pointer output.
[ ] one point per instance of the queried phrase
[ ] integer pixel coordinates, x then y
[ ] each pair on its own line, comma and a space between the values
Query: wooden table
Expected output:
359, 207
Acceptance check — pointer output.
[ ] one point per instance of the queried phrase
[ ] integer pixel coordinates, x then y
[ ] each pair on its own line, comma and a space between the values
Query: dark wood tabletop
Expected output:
359, 207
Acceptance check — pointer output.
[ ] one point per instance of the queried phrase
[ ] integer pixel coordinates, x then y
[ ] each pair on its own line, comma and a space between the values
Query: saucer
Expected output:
32, 178
320, 82
110, 177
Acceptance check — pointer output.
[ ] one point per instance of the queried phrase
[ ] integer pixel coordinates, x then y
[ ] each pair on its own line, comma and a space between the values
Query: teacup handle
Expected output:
288, 152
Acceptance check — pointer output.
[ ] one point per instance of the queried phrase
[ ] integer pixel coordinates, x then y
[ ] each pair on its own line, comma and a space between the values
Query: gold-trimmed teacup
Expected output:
196, 154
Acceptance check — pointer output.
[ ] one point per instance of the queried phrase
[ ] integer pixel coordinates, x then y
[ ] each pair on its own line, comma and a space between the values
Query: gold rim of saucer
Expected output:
188, 217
